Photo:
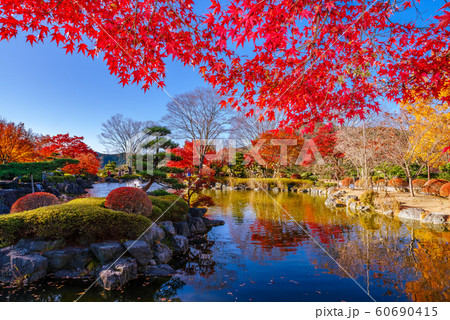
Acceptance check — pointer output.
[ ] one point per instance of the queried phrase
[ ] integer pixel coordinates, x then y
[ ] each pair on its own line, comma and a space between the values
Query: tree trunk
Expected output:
408, 175
148, 184
428, 172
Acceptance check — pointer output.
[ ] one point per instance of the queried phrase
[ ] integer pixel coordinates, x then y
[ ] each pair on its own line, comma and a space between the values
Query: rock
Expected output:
436, 218
73, 188
353, 206
388, 213
338, 194
196, 225
276, 189
139, 250
107, 251
411, 213
4, 209
35, 244
180, 244
168, 227
333, 202
363, 208
118, 274
153, 234
161, 253
182, 228
350, 198
213, 223
197, 212
8, 196
31, 265
162, 270
53, 191
68, 258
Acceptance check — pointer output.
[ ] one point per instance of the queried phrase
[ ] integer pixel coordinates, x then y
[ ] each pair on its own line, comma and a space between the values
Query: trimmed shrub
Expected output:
368, 197
445, 190
100, 202
418, 183
282, 175
159, 192
34, 201
75, 223
131, 200
397, 183
173, 207
60, 179
346, 182
433, 186
296, 176
129, 176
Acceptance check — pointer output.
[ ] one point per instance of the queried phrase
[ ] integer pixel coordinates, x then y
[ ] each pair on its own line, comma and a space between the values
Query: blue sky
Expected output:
56, 93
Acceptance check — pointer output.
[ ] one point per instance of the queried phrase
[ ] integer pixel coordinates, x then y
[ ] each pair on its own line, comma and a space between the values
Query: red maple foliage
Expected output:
33, 201
65, 146
131, 200
317, 60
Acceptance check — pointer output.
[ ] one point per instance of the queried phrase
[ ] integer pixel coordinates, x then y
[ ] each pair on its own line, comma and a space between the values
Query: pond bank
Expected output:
114, 263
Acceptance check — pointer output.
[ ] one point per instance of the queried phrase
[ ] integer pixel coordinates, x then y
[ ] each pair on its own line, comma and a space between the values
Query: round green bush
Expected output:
172, 207
90, 201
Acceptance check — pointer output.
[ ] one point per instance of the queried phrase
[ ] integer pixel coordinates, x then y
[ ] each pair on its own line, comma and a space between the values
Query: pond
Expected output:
288, 247
103, 189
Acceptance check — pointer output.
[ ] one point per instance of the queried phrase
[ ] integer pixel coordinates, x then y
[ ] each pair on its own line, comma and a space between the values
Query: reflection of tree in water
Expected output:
266, 232
391, 256
433, 267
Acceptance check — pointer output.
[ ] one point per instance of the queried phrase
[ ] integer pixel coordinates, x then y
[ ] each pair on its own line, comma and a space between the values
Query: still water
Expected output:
288, 247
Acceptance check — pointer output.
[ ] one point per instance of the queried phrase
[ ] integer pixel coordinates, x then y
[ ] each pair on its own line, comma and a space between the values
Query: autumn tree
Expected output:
16, 143
429, 124
65, 146
198, 116
123, 135
278, 149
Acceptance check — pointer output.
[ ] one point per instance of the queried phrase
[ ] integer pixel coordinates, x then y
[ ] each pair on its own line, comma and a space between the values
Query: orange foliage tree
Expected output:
16, 143
65, 146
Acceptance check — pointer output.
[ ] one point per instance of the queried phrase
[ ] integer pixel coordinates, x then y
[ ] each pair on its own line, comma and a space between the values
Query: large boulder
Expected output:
140, 251
115, 276
411, 213
39, 245
21, 263
153, 234
73, 188
196, 225
182, 228
436, 218
212, 223
161, 253
67, 258
197, 212
180, 244
107, 251
168, 227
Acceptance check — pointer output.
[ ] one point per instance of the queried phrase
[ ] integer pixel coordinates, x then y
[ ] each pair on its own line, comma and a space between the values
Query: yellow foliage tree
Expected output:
429, 124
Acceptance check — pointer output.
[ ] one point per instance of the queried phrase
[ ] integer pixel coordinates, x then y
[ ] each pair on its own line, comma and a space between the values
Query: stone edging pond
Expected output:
114, 263
412, 216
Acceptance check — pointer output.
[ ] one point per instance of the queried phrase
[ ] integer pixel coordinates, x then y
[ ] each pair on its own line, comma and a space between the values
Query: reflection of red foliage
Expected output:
34, 201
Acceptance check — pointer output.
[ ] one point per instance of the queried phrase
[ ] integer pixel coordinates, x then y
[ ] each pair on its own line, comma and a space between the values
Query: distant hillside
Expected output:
118, 158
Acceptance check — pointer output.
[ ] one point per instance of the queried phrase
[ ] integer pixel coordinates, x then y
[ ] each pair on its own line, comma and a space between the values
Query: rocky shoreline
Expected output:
113, 263
410, 215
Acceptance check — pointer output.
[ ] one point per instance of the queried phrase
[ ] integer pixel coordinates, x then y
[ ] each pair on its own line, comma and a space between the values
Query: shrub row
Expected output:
76, 223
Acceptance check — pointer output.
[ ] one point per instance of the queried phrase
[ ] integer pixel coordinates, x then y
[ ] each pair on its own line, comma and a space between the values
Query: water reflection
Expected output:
264, 254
